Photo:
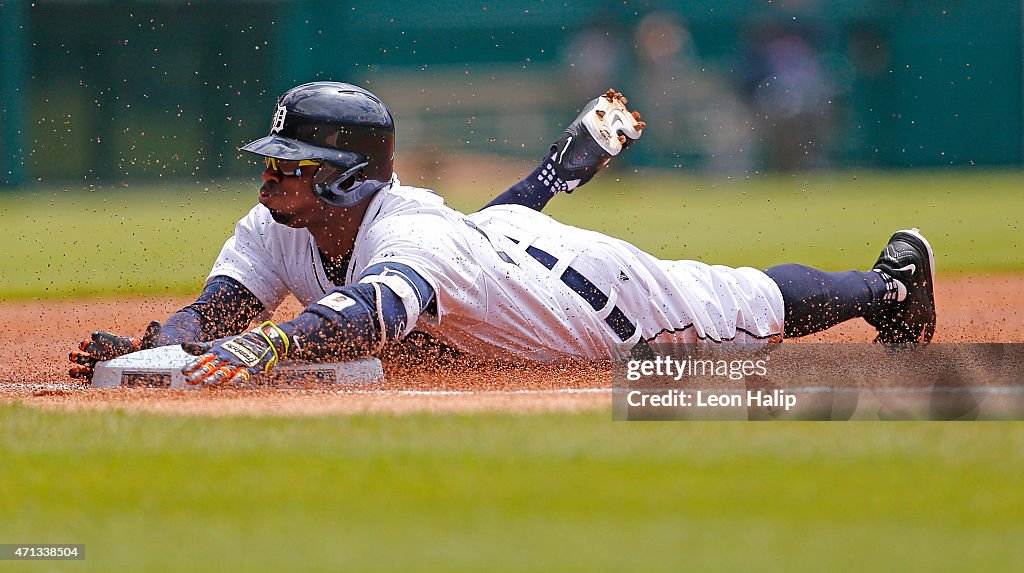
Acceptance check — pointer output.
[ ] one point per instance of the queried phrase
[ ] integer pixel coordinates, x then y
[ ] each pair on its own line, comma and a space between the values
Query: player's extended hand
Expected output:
237, 359
106, 346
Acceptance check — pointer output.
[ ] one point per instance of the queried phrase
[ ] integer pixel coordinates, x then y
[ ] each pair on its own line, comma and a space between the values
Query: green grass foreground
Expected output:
508, 493
163, 240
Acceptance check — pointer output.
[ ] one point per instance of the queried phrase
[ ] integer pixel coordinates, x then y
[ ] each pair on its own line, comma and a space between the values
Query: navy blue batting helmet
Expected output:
346, 127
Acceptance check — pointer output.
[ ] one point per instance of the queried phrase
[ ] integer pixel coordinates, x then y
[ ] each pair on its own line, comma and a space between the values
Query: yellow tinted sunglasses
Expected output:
290, 168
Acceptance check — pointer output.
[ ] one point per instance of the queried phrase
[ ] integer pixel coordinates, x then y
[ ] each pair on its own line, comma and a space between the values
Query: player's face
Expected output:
287, 192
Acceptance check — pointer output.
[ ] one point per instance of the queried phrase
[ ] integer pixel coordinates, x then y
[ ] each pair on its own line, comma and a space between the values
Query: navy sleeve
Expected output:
345, 324
225, 307
415, 292
356, 321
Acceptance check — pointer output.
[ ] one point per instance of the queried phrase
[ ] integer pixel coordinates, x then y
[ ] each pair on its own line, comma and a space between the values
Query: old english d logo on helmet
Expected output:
278, 123
346, 127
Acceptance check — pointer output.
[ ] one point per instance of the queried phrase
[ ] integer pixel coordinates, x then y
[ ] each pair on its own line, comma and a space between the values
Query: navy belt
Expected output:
588, 291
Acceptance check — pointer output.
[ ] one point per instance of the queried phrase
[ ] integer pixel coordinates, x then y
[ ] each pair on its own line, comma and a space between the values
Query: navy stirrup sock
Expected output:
816, 300
535, 190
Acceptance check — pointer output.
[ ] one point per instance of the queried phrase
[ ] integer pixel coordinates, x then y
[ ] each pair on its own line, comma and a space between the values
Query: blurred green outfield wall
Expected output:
103, 92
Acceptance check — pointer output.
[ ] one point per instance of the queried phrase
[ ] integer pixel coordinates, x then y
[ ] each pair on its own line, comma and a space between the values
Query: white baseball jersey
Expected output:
512, 282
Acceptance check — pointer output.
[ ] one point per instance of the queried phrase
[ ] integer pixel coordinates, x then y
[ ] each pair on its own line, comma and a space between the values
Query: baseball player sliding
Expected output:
373, 259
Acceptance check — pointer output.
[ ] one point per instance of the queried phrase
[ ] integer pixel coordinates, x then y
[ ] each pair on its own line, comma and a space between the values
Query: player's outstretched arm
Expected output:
602, 130
224, 307
349, 322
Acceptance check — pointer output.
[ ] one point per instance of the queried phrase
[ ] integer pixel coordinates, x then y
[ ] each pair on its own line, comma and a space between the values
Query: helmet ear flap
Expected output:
331, 179
343, 188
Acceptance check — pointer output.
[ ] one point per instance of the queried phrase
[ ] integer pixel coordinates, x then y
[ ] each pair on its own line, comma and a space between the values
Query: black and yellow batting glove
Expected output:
102, 346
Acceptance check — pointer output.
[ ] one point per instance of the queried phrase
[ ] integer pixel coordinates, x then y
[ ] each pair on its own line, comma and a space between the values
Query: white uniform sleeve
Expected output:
438, 250
247, 258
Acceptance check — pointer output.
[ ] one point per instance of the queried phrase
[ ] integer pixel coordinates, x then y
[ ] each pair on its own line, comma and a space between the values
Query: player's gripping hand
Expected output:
237, 359
107, 346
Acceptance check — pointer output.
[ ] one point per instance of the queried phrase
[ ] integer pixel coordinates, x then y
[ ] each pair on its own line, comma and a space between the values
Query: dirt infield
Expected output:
33, 363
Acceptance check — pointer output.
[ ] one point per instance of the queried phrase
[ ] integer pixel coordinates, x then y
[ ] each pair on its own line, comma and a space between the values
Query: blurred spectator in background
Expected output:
697, 119
667, 79
595, 57
789, 94
775, 110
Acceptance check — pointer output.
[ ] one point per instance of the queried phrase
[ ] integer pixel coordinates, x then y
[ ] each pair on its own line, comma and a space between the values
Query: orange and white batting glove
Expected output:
236, 359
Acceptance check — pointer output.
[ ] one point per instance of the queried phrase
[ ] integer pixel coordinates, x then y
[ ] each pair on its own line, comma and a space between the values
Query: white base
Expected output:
161, 368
